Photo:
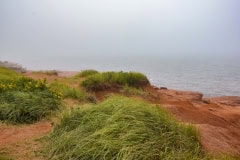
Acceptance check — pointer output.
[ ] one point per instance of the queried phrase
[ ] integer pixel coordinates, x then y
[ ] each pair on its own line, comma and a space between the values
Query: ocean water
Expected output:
210, 76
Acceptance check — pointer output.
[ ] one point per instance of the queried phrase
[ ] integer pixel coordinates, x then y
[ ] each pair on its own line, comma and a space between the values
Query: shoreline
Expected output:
63, 73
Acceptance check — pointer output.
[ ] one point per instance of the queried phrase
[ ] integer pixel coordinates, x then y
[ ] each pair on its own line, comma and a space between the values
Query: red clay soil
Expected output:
20, 141
218, 119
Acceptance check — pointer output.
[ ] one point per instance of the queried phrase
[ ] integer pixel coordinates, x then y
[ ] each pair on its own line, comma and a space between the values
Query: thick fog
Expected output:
41, 31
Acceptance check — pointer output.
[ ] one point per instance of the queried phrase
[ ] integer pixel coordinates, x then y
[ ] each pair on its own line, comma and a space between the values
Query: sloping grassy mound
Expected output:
106, 80
6, 74
86, 73
71, 92
48, 72
122, 129
25, 100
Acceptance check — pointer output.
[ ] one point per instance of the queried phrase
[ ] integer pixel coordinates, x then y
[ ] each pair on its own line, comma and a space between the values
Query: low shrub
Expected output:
122, 128
25, 100
23, 84
86, 73
106, 80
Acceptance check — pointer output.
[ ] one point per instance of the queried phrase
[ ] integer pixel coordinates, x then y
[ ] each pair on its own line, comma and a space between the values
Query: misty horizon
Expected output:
35, 31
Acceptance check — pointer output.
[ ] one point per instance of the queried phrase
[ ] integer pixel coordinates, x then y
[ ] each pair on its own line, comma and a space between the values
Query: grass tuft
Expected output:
86, 73
25, 100
49, 72
107, 80
122, 128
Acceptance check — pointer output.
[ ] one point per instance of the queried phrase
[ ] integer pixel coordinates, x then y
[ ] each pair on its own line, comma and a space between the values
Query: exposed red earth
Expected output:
218, 120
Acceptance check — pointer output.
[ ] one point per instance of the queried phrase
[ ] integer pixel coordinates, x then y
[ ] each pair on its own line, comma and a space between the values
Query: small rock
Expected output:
155, 87
164, 88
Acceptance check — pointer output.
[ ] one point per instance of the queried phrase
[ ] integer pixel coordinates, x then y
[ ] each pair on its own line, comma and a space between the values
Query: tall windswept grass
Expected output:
122, 129
24, 100
86, 73
26, 107
106, 80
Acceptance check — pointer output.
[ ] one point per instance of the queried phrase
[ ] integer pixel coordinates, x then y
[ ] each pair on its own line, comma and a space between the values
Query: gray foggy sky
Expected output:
50, 28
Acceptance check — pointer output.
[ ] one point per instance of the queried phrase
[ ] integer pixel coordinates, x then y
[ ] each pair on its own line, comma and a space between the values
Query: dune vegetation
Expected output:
122, 128
105, 116
105, 80
86, 73
24, 100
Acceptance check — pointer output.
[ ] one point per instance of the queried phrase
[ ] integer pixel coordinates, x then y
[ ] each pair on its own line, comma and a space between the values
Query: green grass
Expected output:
122, 129
126, 90
86, 73
7, 74
49, 72
105, 80
25, 100
26, 107
71, 92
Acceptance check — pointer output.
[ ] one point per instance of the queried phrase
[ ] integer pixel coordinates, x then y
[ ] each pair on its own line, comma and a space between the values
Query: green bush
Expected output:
23, 84
122, 128
86, 73
106, 80
25, 100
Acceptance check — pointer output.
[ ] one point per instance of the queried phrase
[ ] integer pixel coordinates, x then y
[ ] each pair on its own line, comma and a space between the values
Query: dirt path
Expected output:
21, 141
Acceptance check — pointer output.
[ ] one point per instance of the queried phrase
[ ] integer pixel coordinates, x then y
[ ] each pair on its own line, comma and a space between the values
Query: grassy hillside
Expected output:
122, 128
6, 74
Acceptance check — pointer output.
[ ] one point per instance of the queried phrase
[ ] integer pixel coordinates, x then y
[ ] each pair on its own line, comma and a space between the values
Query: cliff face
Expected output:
218, 118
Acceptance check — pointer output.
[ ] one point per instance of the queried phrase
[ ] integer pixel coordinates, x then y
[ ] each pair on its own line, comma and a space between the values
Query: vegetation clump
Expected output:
24, 100
49, 72
71, 92
86, 73
105, 80
122, 128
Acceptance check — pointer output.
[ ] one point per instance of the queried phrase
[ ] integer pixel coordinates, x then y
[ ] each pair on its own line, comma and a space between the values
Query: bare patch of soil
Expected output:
20, 142
218, 119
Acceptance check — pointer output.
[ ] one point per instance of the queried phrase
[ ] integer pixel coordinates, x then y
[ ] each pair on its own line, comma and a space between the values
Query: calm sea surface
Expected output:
212, 77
